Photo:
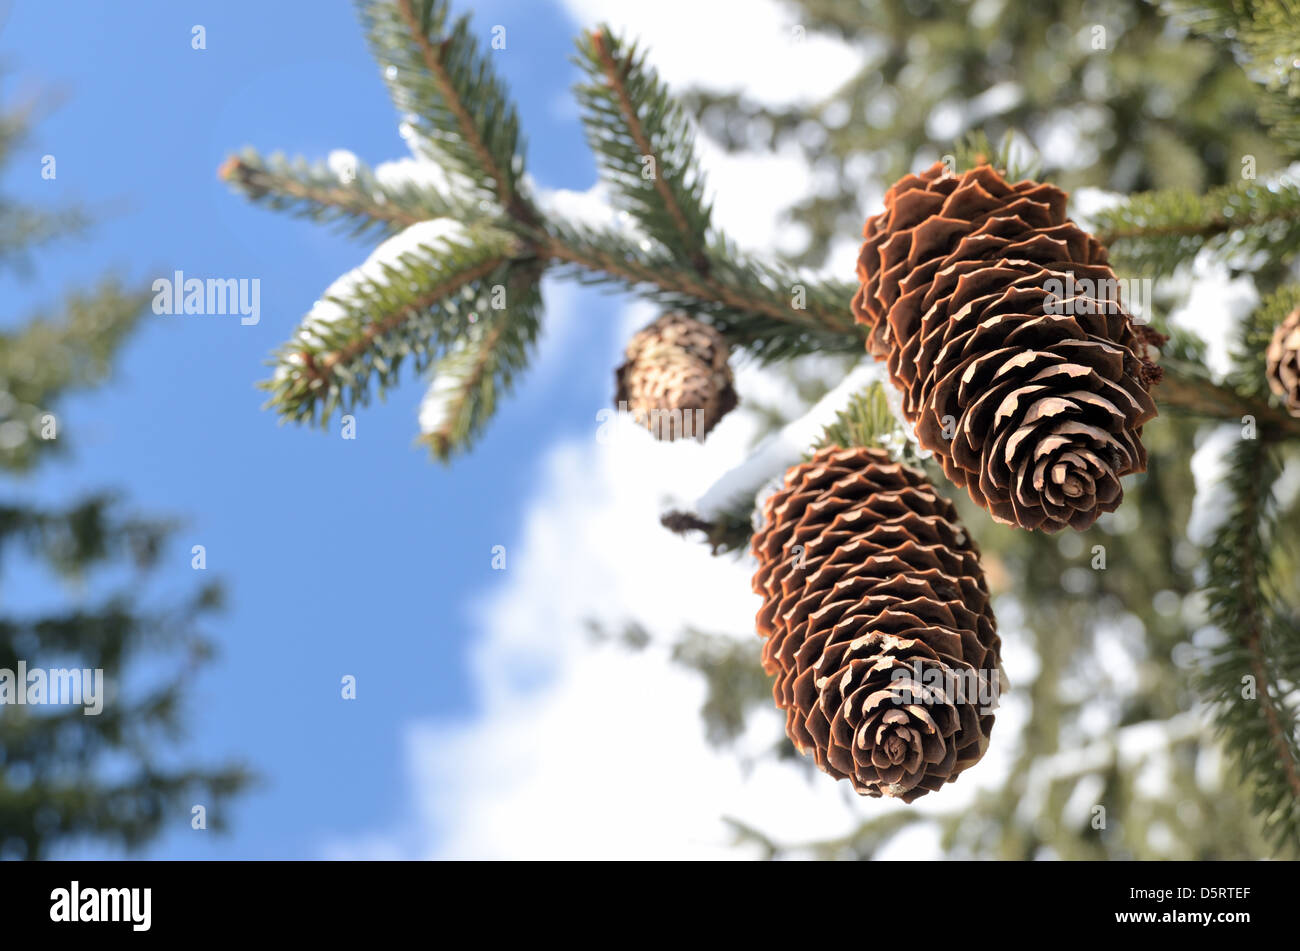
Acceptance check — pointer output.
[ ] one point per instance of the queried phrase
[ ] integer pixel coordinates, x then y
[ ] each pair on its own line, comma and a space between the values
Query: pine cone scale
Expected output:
1282, 361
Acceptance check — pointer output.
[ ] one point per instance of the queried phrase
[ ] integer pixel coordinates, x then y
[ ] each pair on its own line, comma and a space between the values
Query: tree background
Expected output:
580, 746
1144, 103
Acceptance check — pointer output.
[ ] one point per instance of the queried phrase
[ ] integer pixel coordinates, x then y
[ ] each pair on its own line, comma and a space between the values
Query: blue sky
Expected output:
339, 557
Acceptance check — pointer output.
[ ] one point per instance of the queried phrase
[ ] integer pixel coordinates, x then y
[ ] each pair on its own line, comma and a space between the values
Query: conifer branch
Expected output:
466, 381
1263, 730
467, 123
726, 532
1154, 232
55, 352
1249, 373
632, 119
1262, 33
771, 313
429, 300
317, 370
478, 354
1012, 158
433, 61
1190, 389
314, 191
449, 89
867, 420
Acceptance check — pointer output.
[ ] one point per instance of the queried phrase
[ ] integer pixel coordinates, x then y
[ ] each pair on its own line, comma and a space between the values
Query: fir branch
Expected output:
56, 352
82, 536
364, 205
1262, 729
425, 304
1241, 585
868, 420
771, 312
1263, 35
726, 532
1014, 158
457, 105
1249, 374
631, 118
735, 680
463, 394
1190, 389
1154, 232
24, 230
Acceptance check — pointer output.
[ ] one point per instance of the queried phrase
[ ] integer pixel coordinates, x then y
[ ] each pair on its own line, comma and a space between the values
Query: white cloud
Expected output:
763, 51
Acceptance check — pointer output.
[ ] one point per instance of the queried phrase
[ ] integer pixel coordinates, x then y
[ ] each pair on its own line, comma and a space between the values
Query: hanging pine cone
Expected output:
1002, 326
1284, 362
877, 624
676, 378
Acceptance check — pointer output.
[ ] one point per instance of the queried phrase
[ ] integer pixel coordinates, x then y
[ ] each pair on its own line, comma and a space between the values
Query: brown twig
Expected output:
706, 290
1196, 394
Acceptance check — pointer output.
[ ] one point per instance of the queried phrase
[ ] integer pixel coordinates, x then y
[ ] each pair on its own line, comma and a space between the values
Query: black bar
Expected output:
570, 900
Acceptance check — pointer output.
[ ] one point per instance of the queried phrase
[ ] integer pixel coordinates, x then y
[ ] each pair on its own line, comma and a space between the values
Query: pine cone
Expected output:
877, 624
676, 378
1284, 362
999, 317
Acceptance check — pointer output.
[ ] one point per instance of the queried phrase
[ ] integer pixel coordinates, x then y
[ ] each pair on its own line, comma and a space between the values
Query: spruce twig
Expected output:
1156, 231
435, 58
677, 188
1261, 728
867, 420
312, 191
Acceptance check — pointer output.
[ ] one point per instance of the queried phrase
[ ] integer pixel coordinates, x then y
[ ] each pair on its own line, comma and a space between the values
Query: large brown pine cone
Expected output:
1002, 324
676, 378
1284, 362
877, 624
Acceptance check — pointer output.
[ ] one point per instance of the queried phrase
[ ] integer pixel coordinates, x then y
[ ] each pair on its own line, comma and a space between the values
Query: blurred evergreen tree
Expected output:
1122, 649
1114, 93
67, 777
